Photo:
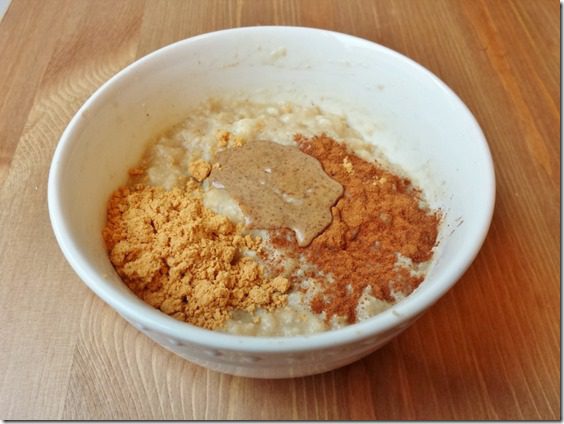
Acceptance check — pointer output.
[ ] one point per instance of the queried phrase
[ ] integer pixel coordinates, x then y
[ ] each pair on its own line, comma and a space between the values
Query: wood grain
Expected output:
490, 349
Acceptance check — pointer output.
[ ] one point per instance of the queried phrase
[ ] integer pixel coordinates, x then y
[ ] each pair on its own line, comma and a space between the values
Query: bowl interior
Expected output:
413, 118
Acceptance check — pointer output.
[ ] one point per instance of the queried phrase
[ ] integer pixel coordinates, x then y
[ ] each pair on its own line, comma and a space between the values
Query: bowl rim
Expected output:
150, 319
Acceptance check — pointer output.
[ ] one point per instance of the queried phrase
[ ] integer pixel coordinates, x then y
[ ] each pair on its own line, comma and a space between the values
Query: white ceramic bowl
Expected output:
421, 125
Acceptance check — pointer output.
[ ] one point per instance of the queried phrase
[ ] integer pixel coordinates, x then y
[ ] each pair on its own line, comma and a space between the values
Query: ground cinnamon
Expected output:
378, 220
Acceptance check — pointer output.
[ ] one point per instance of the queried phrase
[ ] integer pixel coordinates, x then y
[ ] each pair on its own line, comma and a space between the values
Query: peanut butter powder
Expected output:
185, 260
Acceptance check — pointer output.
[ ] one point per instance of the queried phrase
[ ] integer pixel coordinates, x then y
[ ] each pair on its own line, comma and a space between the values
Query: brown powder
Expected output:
183, 259
378, 217
223, 138
226, 139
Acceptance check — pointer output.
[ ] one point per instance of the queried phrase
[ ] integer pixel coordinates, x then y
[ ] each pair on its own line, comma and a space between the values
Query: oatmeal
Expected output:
268, 220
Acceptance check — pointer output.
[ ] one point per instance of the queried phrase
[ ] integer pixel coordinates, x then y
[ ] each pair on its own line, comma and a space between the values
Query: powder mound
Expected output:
185, 260
378, 233
199, 169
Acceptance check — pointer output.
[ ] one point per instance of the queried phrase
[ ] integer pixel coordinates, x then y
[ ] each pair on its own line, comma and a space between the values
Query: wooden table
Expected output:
489, 349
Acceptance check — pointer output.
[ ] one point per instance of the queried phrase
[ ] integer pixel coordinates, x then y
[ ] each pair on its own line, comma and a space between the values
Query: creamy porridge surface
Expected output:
217, 125
169, 158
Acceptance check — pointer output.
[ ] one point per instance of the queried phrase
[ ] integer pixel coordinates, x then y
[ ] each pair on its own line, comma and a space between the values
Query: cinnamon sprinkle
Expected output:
378, 218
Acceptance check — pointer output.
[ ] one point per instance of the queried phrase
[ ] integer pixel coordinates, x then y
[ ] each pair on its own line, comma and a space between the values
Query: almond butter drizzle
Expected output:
278, 186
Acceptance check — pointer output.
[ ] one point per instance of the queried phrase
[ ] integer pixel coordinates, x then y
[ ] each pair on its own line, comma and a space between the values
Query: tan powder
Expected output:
199, 169
183, 259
